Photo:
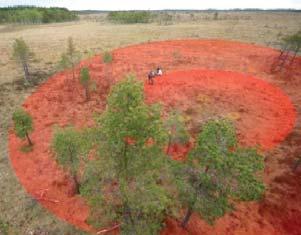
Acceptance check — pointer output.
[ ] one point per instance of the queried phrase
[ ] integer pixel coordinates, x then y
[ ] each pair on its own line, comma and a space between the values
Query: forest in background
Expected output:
36, 15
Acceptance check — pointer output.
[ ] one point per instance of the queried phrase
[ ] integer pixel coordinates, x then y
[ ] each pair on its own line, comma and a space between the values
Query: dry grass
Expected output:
94, 35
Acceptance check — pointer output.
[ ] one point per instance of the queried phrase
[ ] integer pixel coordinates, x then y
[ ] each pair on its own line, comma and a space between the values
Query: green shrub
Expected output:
292, 42
23, 124
107, 57
4, 227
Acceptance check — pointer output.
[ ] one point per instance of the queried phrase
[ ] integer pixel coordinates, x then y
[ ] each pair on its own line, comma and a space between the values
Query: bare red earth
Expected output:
245, 91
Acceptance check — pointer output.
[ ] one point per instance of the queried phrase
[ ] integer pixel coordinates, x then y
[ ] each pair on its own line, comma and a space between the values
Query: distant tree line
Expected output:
35, 15
130, 17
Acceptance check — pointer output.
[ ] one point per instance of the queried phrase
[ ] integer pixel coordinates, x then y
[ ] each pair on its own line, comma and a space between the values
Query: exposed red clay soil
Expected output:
248, 94
263, 115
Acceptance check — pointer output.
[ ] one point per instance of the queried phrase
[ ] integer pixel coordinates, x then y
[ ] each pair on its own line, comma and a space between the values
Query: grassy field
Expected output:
93, 34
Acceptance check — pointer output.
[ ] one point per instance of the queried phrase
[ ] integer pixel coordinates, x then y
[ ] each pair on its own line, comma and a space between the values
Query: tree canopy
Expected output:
23, 124
22, 55
218, 171
71, 146
131, 168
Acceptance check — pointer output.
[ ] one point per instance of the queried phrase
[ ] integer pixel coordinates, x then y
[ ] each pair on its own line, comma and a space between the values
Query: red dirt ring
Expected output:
262, 112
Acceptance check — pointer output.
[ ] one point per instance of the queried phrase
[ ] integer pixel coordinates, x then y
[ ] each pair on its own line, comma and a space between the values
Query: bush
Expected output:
23, 124
130, 17
292, 42
4, 227
107, 57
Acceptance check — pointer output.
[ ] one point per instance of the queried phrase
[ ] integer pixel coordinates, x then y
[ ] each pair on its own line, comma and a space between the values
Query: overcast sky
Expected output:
156, 4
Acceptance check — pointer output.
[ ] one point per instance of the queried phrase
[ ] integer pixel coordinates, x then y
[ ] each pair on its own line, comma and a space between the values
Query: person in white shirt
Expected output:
159, 71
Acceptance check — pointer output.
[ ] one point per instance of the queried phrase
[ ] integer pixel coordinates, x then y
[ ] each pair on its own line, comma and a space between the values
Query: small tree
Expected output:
177, 133
108, 59
69, 146
71, 57
85, 80
23, 125
216, 171
291, 46
22, 54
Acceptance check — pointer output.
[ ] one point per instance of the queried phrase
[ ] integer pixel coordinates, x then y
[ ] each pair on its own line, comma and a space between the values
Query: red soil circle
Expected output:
262, 112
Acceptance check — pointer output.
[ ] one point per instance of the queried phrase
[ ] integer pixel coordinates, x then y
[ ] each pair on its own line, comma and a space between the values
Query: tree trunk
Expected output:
76, 184
186, 218
129, 219
169, 145
87, 93
26, 72
28, 139
294, 56
73, 72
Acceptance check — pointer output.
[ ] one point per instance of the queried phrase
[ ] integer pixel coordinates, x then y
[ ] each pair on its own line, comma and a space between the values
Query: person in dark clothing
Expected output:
151, 76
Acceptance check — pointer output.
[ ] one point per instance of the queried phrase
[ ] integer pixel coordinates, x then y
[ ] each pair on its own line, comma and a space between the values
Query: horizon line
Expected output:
166, 9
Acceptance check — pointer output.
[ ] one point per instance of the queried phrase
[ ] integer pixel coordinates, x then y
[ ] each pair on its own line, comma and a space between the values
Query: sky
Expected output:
156, 4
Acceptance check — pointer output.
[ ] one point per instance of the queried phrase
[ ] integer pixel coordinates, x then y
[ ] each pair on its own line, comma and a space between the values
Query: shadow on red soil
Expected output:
249, 95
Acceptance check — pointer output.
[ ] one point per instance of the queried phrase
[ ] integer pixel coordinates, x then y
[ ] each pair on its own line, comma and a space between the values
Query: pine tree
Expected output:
216, 171
85, 81
23, 125
70, 147
22, 54
128, 180
71, 57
